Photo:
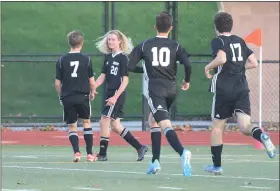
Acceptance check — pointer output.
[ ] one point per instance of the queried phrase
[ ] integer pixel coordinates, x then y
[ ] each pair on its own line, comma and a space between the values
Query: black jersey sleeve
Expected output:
183, 57
58, 70
248, 50
134, 57
216, 45
105, 66
124, 68
90, 70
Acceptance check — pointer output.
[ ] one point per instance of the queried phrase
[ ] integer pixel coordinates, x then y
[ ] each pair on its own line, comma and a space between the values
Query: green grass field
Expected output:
41, 27
33, 168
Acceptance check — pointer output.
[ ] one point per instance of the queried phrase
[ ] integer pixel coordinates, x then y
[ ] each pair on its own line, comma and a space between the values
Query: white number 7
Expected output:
76, 65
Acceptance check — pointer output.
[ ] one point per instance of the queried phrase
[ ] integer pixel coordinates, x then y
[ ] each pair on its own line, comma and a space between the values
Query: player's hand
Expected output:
111, 101
93, 94
185, 85
207, 73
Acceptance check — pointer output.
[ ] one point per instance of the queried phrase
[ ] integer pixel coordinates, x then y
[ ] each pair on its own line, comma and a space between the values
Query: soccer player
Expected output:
115, 73
159, 55
232, 58
75, 86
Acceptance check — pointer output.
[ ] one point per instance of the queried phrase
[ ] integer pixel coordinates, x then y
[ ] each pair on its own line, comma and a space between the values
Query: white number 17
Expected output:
238, 47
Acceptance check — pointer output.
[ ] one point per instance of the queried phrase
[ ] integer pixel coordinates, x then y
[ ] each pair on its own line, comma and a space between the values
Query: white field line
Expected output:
170, 188
256, 187
132, 172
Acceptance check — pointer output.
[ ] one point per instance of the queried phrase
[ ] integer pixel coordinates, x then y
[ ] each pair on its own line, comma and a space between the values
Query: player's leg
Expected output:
129, 138
221, 111
70, 118
155, 137
117, 114
243, 112
84, 112
104, 136
160, 107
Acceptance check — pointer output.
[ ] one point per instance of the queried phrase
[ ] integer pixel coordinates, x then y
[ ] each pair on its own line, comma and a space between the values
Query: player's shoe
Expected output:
154, 167
141, 152
269, 147
186, 163
213, 169
77, 157
91, 158
102, 157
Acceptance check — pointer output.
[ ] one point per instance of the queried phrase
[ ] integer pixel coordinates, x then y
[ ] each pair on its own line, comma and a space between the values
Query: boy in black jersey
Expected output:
160, 55
75, 86
114, 72
232, 58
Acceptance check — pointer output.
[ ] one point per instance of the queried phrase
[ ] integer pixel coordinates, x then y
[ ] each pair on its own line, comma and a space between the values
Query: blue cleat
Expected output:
269, 147
186, 163
213, 169
154, 167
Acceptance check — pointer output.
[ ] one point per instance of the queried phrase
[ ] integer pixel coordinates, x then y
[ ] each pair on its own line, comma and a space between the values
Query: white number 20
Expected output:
159, 56
238, 47
114, 70
76, 65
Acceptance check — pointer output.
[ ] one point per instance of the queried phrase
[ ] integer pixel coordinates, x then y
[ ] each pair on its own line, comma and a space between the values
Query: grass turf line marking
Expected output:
256, 187
20, 189
142, 173
170, 188
82, 188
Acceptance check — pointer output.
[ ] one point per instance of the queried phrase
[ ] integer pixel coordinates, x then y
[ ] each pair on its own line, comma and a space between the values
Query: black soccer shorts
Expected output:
225, 105
160, 95
115, 111
76, 106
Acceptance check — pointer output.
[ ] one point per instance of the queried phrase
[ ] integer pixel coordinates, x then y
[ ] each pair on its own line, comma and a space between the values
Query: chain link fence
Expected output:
28, 93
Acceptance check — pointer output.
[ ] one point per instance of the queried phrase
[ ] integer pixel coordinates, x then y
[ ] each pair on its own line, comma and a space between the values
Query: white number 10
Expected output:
159, 61
76, 65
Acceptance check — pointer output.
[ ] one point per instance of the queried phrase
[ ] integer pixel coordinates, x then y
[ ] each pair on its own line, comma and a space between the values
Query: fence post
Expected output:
106, 29
113, 16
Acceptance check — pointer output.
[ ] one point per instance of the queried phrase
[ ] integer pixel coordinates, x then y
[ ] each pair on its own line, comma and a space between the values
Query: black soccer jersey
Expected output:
74, 71
115, 67
230, 77
160, 55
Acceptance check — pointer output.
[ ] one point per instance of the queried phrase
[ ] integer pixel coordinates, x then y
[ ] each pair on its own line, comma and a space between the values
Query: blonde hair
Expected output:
126, 44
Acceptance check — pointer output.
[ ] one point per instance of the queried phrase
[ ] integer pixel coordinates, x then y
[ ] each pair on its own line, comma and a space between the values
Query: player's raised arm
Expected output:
134, 57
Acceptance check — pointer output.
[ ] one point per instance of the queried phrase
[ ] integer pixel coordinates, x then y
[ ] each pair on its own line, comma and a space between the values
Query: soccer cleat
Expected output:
141, 152
102, 157
154, 167
213, 169
267, 143
91, 158
186, 163
77, 157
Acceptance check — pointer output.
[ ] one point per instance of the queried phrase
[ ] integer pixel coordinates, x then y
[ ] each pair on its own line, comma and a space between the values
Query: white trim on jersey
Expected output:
221, 40
213, 107
177, 46
143, 45
117, 53
146, 89
214, 79
158, 36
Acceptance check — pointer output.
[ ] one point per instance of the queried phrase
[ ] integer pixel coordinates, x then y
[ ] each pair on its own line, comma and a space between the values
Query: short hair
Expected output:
75, 38
223, 22
163, 21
